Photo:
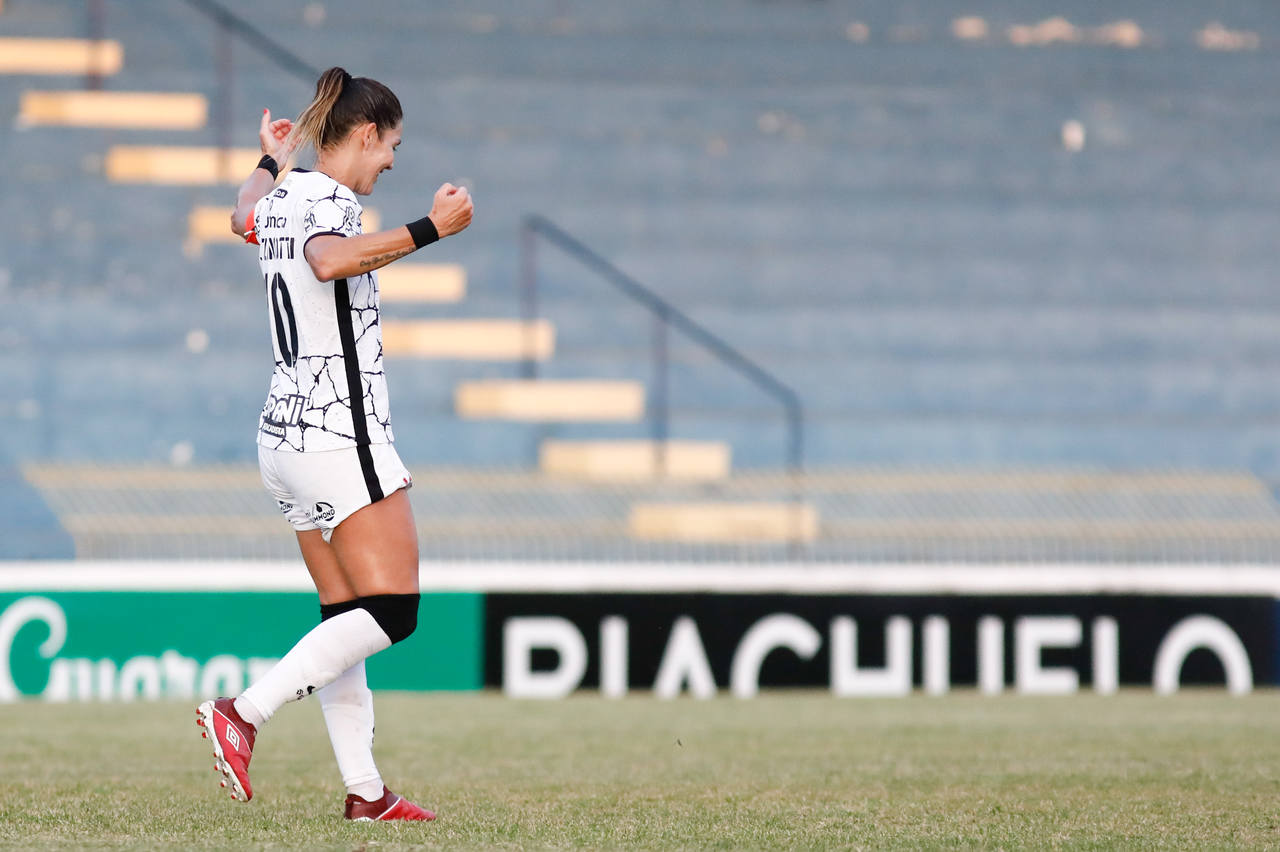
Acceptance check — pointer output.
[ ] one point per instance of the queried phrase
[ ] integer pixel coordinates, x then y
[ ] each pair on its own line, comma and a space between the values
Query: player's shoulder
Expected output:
315, 186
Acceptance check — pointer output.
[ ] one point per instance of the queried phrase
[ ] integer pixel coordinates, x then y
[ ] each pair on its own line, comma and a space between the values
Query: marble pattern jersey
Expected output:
328, 389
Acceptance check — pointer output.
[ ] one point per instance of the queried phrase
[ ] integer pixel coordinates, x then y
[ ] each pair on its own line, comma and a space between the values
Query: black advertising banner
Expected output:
547, 645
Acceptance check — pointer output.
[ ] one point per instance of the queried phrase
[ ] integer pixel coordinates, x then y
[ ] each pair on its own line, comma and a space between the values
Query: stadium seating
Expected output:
868, 514
875, 205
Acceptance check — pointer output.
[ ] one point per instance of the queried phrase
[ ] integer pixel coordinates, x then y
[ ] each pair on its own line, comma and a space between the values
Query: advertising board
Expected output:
549, 645
137, 645
127, 631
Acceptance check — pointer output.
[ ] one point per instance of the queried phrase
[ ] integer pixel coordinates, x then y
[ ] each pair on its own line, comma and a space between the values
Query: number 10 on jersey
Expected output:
282, 312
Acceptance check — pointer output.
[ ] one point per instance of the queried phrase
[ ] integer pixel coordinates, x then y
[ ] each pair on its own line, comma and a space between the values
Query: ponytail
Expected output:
341, 102
317, 118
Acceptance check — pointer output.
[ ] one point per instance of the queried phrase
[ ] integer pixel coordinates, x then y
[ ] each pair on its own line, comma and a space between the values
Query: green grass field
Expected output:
787, 770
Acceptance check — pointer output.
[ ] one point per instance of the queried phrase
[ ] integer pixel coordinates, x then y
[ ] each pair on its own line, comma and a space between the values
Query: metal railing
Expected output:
96, 13
230, 23
229, 26
665, 316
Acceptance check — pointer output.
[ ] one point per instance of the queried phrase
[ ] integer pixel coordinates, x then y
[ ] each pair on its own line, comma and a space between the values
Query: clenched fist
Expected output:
451, 209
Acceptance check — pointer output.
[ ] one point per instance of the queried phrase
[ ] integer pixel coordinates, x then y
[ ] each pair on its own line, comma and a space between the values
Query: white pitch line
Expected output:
778, 578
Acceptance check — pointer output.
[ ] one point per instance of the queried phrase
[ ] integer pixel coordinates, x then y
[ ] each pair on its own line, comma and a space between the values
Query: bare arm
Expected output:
273, 136
332, 256
251, 192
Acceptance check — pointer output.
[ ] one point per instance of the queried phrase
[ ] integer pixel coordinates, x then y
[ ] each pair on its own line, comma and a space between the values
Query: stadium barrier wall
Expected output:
126, 631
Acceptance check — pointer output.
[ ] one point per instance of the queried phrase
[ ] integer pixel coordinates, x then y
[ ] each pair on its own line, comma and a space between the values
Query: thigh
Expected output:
326, 572
377, 547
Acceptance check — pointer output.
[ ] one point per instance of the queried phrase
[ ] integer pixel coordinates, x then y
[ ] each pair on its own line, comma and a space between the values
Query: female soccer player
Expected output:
324, 436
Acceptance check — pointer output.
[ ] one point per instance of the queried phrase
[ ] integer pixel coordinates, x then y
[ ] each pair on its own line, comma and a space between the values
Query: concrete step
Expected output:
550, 400
208, 224
629, 461
425, 283
468, 339
175, 165
134, 110
60, 56
707, 522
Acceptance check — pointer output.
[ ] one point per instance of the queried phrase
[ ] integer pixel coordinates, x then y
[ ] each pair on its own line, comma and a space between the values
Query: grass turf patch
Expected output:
785, 770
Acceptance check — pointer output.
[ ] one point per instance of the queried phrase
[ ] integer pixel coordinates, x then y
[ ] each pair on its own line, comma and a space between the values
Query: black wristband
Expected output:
423, 232
268, 162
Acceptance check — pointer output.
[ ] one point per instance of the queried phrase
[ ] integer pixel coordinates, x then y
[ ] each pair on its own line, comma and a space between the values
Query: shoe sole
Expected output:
204, 718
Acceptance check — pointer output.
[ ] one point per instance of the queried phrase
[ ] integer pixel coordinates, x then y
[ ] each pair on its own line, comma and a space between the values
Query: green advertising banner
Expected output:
136, 645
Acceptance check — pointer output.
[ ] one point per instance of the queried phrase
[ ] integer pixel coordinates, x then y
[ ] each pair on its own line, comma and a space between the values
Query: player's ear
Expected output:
368, 134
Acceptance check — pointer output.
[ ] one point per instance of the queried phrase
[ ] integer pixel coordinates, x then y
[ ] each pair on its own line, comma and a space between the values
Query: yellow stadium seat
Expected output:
154, 110
422, 282
175, 165
60, 56
723, 522
550, 401
469, 339
625, 461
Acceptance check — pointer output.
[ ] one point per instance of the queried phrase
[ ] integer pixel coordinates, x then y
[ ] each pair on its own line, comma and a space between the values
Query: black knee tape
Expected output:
397, 615
328, 611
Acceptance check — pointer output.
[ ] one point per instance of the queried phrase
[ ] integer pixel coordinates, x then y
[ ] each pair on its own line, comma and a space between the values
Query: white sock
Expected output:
332, 647
348, 713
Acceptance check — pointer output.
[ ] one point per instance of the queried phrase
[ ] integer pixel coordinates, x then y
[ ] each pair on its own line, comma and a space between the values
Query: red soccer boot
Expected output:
389, 807
232, 739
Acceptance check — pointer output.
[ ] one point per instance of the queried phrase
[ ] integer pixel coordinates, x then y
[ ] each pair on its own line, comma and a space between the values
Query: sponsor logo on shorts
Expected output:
322, 513
285, 508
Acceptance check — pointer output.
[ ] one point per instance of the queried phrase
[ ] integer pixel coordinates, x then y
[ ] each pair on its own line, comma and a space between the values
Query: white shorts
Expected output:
318, 491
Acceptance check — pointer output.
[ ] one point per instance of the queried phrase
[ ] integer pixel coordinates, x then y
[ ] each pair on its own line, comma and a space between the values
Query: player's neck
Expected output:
339, 165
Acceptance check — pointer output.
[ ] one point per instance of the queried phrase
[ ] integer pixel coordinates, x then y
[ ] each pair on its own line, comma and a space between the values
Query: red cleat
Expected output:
389, 807
232, 739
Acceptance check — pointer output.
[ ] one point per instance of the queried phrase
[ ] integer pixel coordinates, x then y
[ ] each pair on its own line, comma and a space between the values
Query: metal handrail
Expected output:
266, 45
665, 315
229, 24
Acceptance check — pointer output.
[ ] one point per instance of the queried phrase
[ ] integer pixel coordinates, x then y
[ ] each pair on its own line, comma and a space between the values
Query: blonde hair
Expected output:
341, 102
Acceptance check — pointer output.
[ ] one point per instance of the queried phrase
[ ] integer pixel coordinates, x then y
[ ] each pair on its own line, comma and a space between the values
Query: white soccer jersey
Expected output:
328, 390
